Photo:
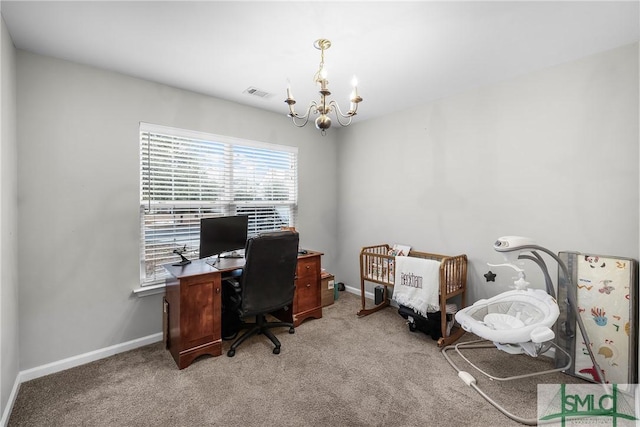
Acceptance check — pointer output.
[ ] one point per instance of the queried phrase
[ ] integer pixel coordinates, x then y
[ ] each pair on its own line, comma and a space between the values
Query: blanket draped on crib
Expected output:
417, 283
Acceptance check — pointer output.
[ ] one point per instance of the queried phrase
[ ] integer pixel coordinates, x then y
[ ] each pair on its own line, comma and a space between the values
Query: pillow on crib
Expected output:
400, 250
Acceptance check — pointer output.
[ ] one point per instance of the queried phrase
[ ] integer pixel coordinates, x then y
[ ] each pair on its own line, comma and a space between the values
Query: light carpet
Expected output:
340, 370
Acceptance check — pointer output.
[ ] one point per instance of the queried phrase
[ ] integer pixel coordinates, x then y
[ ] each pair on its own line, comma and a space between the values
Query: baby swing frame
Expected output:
482, 343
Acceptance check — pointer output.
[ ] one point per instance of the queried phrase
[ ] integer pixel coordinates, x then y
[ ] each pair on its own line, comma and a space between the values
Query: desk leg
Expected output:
186, 358
298, 318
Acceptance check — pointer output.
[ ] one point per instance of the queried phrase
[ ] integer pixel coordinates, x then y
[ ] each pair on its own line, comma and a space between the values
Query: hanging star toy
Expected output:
491, 277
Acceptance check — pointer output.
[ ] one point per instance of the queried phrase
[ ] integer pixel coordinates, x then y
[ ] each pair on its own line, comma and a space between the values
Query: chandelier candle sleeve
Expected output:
354, 94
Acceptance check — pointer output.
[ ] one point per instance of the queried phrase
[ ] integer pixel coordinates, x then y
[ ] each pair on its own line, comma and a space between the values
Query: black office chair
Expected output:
267, 283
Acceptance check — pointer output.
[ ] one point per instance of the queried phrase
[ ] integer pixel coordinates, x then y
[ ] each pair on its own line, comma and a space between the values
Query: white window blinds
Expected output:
185, 176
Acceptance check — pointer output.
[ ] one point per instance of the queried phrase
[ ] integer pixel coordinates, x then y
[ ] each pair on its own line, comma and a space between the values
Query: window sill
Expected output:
145, 291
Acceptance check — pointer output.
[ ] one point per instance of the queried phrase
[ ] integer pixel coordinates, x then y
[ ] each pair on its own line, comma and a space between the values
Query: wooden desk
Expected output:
193, 305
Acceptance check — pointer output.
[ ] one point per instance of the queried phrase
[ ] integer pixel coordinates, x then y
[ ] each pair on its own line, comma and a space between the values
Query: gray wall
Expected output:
79, 198
552, 155
9, 356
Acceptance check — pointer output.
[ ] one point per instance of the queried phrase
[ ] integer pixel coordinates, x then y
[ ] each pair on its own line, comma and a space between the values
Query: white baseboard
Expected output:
72, 362
356, 291
81, 359
12, 398
367, 294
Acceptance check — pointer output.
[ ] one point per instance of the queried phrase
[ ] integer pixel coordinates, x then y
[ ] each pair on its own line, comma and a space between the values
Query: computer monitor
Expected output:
223, 234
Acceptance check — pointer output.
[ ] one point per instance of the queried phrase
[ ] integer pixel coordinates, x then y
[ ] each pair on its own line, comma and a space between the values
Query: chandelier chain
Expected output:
318, 76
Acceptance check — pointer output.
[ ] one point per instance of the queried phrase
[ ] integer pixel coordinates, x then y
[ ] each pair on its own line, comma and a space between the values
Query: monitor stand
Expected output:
230, 255
213, 262
234, 254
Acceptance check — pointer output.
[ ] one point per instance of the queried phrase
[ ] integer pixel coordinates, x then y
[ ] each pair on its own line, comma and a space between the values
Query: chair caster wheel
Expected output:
292, 330
231, 353
276, 350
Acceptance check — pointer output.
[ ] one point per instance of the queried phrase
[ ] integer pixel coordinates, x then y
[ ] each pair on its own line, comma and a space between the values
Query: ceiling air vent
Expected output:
254, 91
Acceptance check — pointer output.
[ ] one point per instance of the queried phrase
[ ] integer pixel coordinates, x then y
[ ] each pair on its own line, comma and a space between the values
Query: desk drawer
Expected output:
307, 284
306, 294
308, 268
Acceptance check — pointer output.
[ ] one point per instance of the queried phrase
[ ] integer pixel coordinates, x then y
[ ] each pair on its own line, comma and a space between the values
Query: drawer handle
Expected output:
308, 285
217, 290
308, 267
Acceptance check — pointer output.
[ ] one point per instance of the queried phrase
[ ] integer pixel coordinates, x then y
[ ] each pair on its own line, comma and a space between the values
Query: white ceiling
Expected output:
403, 53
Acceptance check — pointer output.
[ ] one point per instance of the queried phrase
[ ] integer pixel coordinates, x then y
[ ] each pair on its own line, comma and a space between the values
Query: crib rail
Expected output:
377, 266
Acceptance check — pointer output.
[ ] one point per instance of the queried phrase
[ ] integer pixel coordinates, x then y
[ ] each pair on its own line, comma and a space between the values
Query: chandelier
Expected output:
324, 107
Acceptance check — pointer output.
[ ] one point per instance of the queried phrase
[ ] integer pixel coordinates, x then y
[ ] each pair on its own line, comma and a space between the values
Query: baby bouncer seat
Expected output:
518, 321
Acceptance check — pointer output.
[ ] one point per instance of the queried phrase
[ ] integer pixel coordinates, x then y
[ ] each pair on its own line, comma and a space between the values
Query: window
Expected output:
186, 175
